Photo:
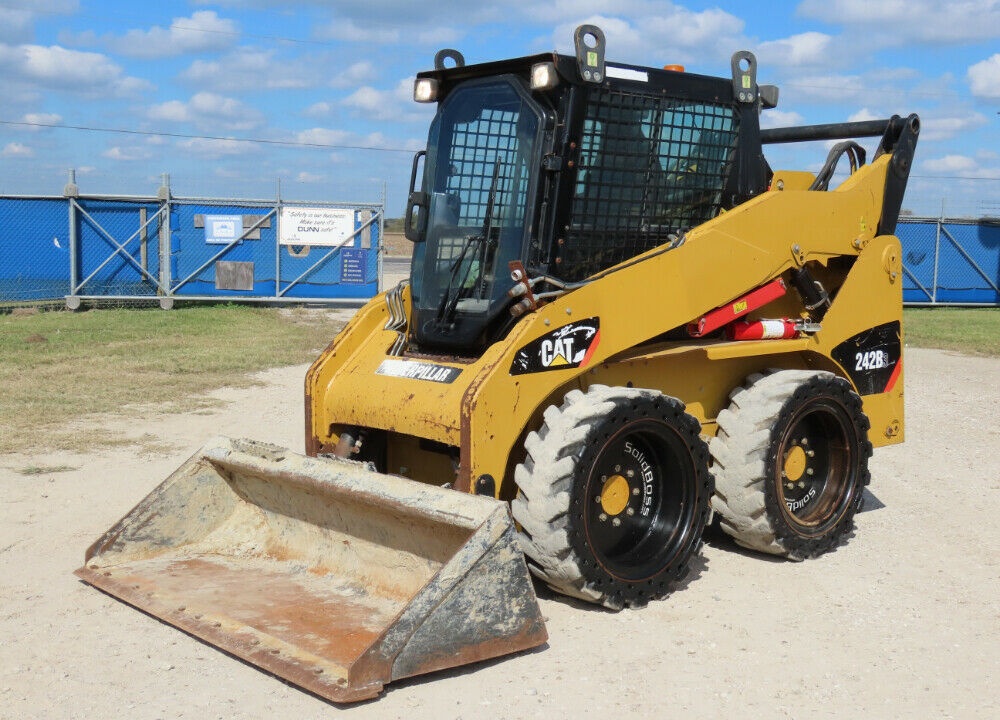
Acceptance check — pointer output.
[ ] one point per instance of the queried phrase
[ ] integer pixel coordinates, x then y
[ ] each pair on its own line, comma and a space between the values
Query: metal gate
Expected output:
950, 262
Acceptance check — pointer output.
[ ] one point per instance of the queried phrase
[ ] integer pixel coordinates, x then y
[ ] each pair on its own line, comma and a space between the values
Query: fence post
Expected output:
937, 258
380, 253
71, 192
277, 243
163, 195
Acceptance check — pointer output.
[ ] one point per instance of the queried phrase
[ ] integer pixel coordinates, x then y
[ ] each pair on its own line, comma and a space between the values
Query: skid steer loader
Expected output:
619, 319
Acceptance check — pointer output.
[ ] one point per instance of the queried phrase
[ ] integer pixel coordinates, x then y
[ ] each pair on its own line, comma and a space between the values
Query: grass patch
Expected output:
58, 366
45, 469
974, 331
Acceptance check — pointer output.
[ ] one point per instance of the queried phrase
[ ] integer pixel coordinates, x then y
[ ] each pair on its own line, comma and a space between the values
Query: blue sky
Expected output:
324, 87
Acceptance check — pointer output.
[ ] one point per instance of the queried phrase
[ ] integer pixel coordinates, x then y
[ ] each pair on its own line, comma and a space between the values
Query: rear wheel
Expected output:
613, 495
791, 462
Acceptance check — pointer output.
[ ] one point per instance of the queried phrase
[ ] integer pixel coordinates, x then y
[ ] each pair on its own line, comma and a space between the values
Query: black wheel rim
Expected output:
639, 499
816, 466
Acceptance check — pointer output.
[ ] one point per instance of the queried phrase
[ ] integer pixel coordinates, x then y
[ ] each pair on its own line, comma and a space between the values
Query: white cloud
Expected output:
171, 111
345, 139
809, 48
395, 104
350, 31
252, 69
37, 121
210, 111
15, 24
353, 75
55, 67
961, 166
323, 136
703, 37
951, 164
934, 128
778, 118
829, 88
127, 154
863, 115
318, 110
308, 177
984, 78
211, 148
16, 149
204, 31
17, 17
901, 22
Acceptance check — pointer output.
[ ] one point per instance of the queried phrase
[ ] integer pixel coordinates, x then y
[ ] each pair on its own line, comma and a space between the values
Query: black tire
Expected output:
791, 463
613, 495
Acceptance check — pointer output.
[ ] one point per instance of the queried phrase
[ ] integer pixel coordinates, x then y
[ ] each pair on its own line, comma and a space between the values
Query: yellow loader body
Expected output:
485, 410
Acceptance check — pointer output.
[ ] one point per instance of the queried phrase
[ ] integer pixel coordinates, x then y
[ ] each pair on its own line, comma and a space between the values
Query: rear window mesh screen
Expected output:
648, 167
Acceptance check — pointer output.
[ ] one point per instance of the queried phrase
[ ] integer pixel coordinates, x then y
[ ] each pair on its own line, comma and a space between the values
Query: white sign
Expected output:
315, 226
223, 229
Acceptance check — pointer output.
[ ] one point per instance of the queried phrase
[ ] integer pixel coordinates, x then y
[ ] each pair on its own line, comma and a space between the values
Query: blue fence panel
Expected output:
950, 262
118, 247
194, 256
319, 272
918, 241
969, 264
34, 249
350, 271
117, 250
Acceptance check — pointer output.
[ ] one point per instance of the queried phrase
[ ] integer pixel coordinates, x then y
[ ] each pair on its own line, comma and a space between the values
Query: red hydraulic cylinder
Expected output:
724, 315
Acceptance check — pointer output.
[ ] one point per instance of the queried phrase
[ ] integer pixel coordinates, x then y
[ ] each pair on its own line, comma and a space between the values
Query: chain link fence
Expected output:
77, 248
950, 262
162, 248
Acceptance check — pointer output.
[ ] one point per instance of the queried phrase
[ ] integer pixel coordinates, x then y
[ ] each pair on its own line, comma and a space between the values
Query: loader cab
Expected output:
480, 176
568, 166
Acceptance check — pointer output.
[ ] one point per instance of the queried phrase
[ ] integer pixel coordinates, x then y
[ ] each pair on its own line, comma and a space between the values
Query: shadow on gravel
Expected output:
870, 502
716, 537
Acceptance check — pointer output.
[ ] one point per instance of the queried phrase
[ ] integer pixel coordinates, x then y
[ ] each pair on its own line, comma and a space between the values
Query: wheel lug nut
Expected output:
635, 491
602, 517
618, 468
809, 471
616, 522
630, 511
597, 499
631, 473
810, 453
804, 441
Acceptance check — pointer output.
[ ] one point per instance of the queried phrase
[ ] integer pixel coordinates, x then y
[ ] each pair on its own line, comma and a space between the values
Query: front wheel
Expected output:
791, 462
613, 495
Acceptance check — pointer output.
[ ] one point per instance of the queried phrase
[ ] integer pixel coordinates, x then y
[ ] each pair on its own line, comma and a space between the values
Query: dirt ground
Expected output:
902, 622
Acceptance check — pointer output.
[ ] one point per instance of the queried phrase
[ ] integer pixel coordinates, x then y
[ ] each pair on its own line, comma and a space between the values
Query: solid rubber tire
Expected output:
555, 478
748, 501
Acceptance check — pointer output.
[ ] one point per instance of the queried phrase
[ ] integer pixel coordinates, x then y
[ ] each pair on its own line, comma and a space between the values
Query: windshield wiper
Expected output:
452, 294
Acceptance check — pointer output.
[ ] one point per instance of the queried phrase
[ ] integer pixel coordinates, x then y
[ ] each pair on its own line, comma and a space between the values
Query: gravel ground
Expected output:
903, 621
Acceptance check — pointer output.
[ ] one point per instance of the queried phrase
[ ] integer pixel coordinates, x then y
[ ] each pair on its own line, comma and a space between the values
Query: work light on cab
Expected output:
425, 90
